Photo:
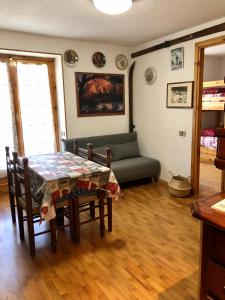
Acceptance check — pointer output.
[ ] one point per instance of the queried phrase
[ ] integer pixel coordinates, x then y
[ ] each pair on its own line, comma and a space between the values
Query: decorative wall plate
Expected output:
121, 62
150, 75
70, 58
98, 59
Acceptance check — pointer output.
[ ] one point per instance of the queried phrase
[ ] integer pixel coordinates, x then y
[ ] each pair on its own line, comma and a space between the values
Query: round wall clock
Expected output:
70, 58
150, 75
121, 62
98, 59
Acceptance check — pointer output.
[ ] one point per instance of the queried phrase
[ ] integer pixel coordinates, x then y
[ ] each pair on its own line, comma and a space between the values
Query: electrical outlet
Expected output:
182, 133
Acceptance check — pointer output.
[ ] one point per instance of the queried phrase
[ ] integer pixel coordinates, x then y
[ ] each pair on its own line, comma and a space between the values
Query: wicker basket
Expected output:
179, 186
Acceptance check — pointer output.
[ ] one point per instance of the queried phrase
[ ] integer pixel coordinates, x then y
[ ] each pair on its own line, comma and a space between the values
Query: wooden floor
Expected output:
210, 178
152, 253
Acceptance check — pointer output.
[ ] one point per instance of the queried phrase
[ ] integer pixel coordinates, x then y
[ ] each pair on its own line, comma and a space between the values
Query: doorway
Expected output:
28, 106
206, 115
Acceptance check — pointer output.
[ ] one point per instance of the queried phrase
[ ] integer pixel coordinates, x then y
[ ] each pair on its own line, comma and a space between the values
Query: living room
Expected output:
153, 249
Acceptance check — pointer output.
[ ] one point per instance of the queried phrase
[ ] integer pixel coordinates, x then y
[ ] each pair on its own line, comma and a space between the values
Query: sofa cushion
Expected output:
126, 150
135, 168
101, 141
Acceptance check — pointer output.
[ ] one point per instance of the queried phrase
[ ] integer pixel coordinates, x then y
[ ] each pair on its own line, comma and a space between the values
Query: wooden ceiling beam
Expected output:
185, 38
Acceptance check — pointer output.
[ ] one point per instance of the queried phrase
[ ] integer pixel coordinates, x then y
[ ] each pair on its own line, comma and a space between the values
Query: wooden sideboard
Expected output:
212, 262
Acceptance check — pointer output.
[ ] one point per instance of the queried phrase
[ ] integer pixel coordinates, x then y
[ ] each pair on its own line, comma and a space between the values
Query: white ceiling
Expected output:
78, 19
217, 51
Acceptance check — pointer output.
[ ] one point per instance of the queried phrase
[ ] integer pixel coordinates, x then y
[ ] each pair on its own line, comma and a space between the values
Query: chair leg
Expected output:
92, 209
101, 212
52, 224
12, 207
71, 219
30, 226
109, 210
77, 220
20, 220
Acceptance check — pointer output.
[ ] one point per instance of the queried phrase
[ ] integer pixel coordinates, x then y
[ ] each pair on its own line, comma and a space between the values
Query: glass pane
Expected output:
36, 110
6, 120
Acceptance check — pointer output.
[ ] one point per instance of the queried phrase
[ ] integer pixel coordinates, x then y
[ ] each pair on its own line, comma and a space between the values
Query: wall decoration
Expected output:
150, 75
177, 58
180, 95
99, 94
70, 58
98, 59
121, 62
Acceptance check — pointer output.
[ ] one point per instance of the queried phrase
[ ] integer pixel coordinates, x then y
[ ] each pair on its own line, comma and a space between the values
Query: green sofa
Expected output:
127, 163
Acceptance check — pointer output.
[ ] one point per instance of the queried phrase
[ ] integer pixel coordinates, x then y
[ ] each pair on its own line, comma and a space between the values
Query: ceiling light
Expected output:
113, 7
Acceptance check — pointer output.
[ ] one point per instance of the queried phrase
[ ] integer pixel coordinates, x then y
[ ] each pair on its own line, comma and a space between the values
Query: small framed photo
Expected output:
180, 94
177, 58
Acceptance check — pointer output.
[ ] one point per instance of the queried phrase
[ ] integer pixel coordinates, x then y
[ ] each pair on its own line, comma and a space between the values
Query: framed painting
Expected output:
180, 95
99, 94
177, 58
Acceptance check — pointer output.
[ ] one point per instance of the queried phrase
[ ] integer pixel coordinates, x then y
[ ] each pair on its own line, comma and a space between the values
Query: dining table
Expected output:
55, 175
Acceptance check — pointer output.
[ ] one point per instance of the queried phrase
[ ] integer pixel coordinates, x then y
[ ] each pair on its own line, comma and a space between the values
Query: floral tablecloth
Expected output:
54, 175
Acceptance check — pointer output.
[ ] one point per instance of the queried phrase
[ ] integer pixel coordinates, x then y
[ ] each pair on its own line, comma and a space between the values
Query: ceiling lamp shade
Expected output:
113, 7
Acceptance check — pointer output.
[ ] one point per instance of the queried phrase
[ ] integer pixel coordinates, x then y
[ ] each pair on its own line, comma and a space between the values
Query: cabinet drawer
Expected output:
216, 244
215, 281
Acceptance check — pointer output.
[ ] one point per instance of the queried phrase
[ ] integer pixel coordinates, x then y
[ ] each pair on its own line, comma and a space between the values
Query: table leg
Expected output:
109, 211
77, 220
101, 212
60, 217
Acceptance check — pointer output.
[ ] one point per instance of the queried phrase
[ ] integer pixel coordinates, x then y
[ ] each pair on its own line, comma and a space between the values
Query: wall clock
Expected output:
150, 75
70, 58
99, 59
121, 62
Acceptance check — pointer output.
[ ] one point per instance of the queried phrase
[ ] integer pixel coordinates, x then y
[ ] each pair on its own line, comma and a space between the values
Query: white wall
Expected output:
83, 126
212, 68
156, 125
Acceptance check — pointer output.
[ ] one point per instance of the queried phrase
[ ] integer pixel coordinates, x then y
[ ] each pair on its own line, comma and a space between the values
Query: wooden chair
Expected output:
11, 184
26, 202
89, 200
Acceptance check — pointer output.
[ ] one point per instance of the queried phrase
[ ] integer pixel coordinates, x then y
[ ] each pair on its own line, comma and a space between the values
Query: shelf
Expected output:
213, 107
211, 84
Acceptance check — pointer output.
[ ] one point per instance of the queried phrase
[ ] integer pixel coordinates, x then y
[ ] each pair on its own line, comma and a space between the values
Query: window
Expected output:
28, 109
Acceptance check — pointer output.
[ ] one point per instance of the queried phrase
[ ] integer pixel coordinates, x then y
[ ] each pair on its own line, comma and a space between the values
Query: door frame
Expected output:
197, 109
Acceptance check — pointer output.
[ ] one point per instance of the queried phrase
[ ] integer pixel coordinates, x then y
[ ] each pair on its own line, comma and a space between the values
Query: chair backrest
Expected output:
100, 158
90, 154
10, 168
22, 179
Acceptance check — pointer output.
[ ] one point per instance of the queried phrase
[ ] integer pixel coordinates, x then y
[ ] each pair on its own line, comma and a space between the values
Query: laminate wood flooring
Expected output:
210, 178
152, 253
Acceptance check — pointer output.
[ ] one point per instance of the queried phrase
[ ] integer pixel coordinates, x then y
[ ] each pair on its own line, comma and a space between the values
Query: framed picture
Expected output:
180, 95
99, 94
177, 58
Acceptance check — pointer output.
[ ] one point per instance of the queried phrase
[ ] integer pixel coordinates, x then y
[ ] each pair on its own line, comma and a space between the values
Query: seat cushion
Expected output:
135, 168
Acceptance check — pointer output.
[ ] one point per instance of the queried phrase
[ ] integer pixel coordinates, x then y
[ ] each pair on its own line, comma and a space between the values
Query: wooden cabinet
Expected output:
212, 265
